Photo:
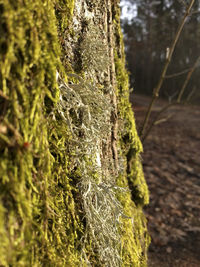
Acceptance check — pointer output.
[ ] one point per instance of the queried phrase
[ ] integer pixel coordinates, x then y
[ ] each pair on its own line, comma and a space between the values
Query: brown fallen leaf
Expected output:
178, 234
176, 212
169, 250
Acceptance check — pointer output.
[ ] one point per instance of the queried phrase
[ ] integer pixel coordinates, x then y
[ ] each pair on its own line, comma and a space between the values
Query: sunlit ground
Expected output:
171, 161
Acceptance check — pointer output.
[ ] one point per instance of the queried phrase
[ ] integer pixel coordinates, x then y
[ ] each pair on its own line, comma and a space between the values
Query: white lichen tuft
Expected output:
102, 214
86, 112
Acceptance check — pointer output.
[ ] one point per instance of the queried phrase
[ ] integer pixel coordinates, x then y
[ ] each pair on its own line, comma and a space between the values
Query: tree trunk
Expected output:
72, 186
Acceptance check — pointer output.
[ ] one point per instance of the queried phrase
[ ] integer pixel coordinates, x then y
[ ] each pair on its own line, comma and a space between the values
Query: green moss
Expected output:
130, 142
64, 12
41, 217
39, 221
134, 236
135, 239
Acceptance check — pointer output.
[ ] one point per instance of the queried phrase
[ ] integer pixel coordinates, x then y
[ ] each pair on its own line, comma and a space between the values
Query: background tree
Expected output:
148, 35
71, 181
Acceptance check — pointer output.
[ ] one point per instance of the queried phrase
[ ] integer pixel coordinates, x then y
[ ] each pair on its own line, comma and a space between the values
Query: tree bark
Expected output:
71, 181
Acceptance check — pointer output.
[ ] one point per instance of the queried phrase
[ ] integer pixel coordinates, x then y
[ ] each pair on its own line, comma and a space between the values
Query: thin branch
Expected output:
178, 100
187, 80
177, 74
156, 119
168, 60
191, 94
163, 120
194, 12
171, 97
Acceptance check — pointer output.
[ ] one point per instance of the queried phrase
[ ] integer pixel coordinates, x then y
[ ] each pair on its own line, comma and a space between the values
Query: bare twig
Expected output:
163, 120
156, 119
168, 60
178, 100
191, 94
177, 74
194, 12
187, 80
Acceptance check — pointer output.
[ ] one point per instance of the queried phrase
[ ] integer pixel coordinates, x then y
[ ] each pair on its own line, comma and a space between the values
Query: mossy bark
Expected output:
68, 141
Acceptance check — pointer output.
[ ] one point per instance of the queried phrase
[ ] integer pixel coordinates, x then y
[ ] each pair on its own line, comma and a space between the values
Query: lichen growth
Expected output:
90, 45
87, 115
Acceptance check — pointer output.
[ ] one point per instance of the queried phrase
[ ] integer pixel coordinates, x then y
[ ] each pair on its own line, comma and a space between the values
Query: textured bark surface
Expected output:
72, 186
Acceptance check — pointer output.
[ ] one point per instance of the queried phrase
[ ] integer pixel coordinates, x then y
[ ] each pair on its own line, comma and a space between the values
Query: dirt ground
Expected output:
171, 161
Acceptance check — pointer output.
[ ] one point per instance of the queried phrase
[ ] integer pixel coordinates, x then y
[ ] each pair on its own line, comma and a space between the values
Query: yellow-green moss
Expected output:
64, 12
130, 141
39, 224
135, 239
134, 236
40, 205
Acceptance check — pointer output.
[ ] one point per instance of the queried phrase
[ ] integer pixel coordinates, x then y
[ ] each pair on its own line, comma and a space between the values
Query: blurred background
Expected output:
171, 158
149, 28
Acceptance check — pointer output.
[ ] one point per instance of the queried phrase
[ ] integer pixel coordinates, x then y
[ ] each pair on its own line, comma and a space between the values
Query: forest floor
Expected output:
171, 161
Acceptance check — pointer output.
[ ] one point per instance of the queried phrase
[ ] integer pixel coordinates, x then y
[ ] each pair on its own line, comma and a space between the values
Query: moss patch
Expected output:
130, 142
133, 231
39, 222
135, 239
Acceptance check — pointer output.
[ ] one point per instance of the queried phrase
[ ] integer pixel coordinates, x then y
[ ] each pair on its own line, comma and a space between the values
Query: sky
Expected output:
128, 10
